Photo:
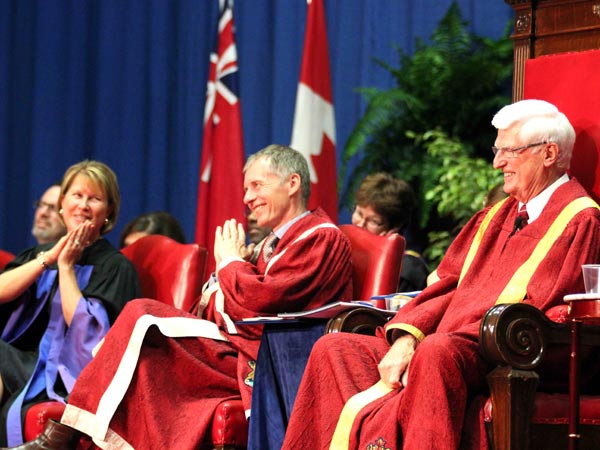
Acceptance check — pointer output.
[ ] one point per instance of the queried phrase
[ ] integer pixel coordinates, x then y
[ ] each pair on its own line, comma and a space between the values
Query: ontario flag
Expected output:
220, 188
313, 133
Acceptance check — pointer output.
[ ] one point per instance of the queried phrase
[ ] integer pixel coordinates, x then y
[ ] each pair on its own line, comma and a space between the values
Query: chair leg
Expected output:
512, 393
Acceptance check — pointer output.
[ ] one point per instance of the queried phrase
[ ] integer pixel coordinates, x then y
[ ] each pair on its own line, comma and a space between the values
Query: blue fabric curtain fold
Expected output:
123, 81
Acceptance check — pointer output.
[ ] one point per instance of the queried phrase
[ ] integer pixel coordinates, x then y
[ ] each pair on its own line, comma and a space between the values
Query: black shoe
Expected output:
55, 436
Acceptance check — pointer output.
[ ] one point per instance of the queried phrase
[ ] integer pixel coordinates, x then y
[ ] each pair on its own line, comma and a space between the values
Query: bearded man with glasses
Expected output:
47, 224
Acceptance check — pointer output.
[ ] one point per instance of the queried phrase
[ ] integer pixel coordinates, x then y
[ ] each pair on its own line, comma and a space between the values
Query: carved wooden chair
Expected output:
564, 35
527, 408
521, 340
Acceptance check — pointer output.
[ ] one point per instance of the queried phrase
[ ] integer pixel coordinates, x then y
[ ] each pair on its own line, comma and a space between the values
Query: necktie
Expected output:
522, 218
269, 246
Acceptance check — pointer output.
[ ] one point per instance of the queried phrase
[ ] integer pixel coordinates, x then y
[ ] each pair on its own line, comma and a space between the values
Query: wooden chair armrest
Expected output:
517, 337
360, 321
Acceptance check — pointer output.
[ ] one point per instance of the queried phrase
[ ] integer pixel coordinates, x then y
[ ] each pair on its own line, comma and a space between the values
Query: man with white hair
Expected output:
409, 387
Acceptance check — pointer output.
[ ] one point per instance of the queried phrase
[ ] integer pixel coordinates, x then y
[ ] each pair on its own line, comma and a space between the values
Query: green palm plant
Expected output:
447, 91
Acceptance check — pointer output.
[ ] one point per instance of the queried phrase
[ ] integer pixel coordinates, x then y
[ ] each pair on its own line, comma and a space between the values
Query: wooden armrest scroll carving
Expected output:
359, 320
515, 334
517, 337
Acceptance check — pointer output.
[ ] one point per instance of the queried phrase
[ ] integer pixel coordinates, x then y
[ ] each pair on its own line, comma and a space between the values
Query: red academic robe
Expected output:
447, 369
161, 372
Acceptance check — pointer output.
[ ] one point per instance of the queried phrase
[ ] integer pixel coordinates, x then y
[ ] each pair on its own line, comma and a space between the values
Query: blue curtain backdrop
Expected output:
123, 81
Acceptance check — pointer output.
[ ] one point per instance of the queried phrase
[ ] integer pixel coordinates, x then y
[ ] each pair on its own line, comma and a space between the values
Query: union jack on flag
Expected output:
220, 187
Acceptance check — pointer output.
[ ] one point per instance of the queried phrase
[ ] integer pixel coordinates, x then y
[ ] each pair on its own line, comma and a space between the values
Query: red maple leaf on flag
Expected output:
313, 133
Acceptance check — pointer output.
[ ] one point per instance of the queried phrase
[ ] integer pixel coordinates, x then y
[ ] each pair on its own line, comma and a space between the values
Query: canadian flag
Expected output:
220, 188
313, 133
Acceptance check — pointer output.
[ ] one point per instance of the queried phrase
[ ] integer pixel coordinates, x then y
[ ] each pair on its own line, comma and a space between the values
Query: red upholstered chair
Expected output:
376, 261
5, 258
37, 417
169, 272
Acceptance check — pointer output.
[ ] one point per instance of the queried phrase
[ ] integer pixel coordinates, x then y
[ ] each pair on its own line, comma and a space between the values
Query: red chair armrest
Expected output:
230, 426
38, 415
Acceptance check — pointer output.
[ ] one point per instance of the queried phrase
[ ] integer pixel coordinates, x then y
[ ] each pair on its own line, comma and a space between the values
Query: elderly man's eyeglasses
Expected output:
510, 152
41, 205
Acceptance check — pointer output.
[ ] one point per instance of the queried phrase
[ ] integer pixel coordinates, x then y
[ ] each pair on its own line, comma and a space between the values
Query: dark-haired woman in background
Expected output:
158, 222
386, 204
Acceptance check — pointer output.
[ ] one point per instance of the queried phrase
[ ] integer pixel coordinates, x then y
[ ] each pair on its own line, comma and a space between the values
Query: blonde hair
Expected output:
104, 178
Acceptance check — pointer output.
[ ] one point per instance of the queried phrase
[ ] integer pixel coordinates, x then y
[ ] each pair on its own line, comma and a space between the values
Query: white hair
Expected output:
539, 121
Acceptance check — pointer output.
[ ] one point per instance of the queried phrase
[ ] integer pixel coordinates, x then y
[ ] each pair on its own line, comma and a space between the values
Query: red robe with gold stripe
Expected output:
161, 372
447, 369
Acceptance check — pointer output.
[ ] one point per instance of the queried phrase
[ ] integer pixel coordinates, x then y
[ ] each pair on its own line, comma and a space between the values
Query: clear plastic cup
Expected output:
591, 278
